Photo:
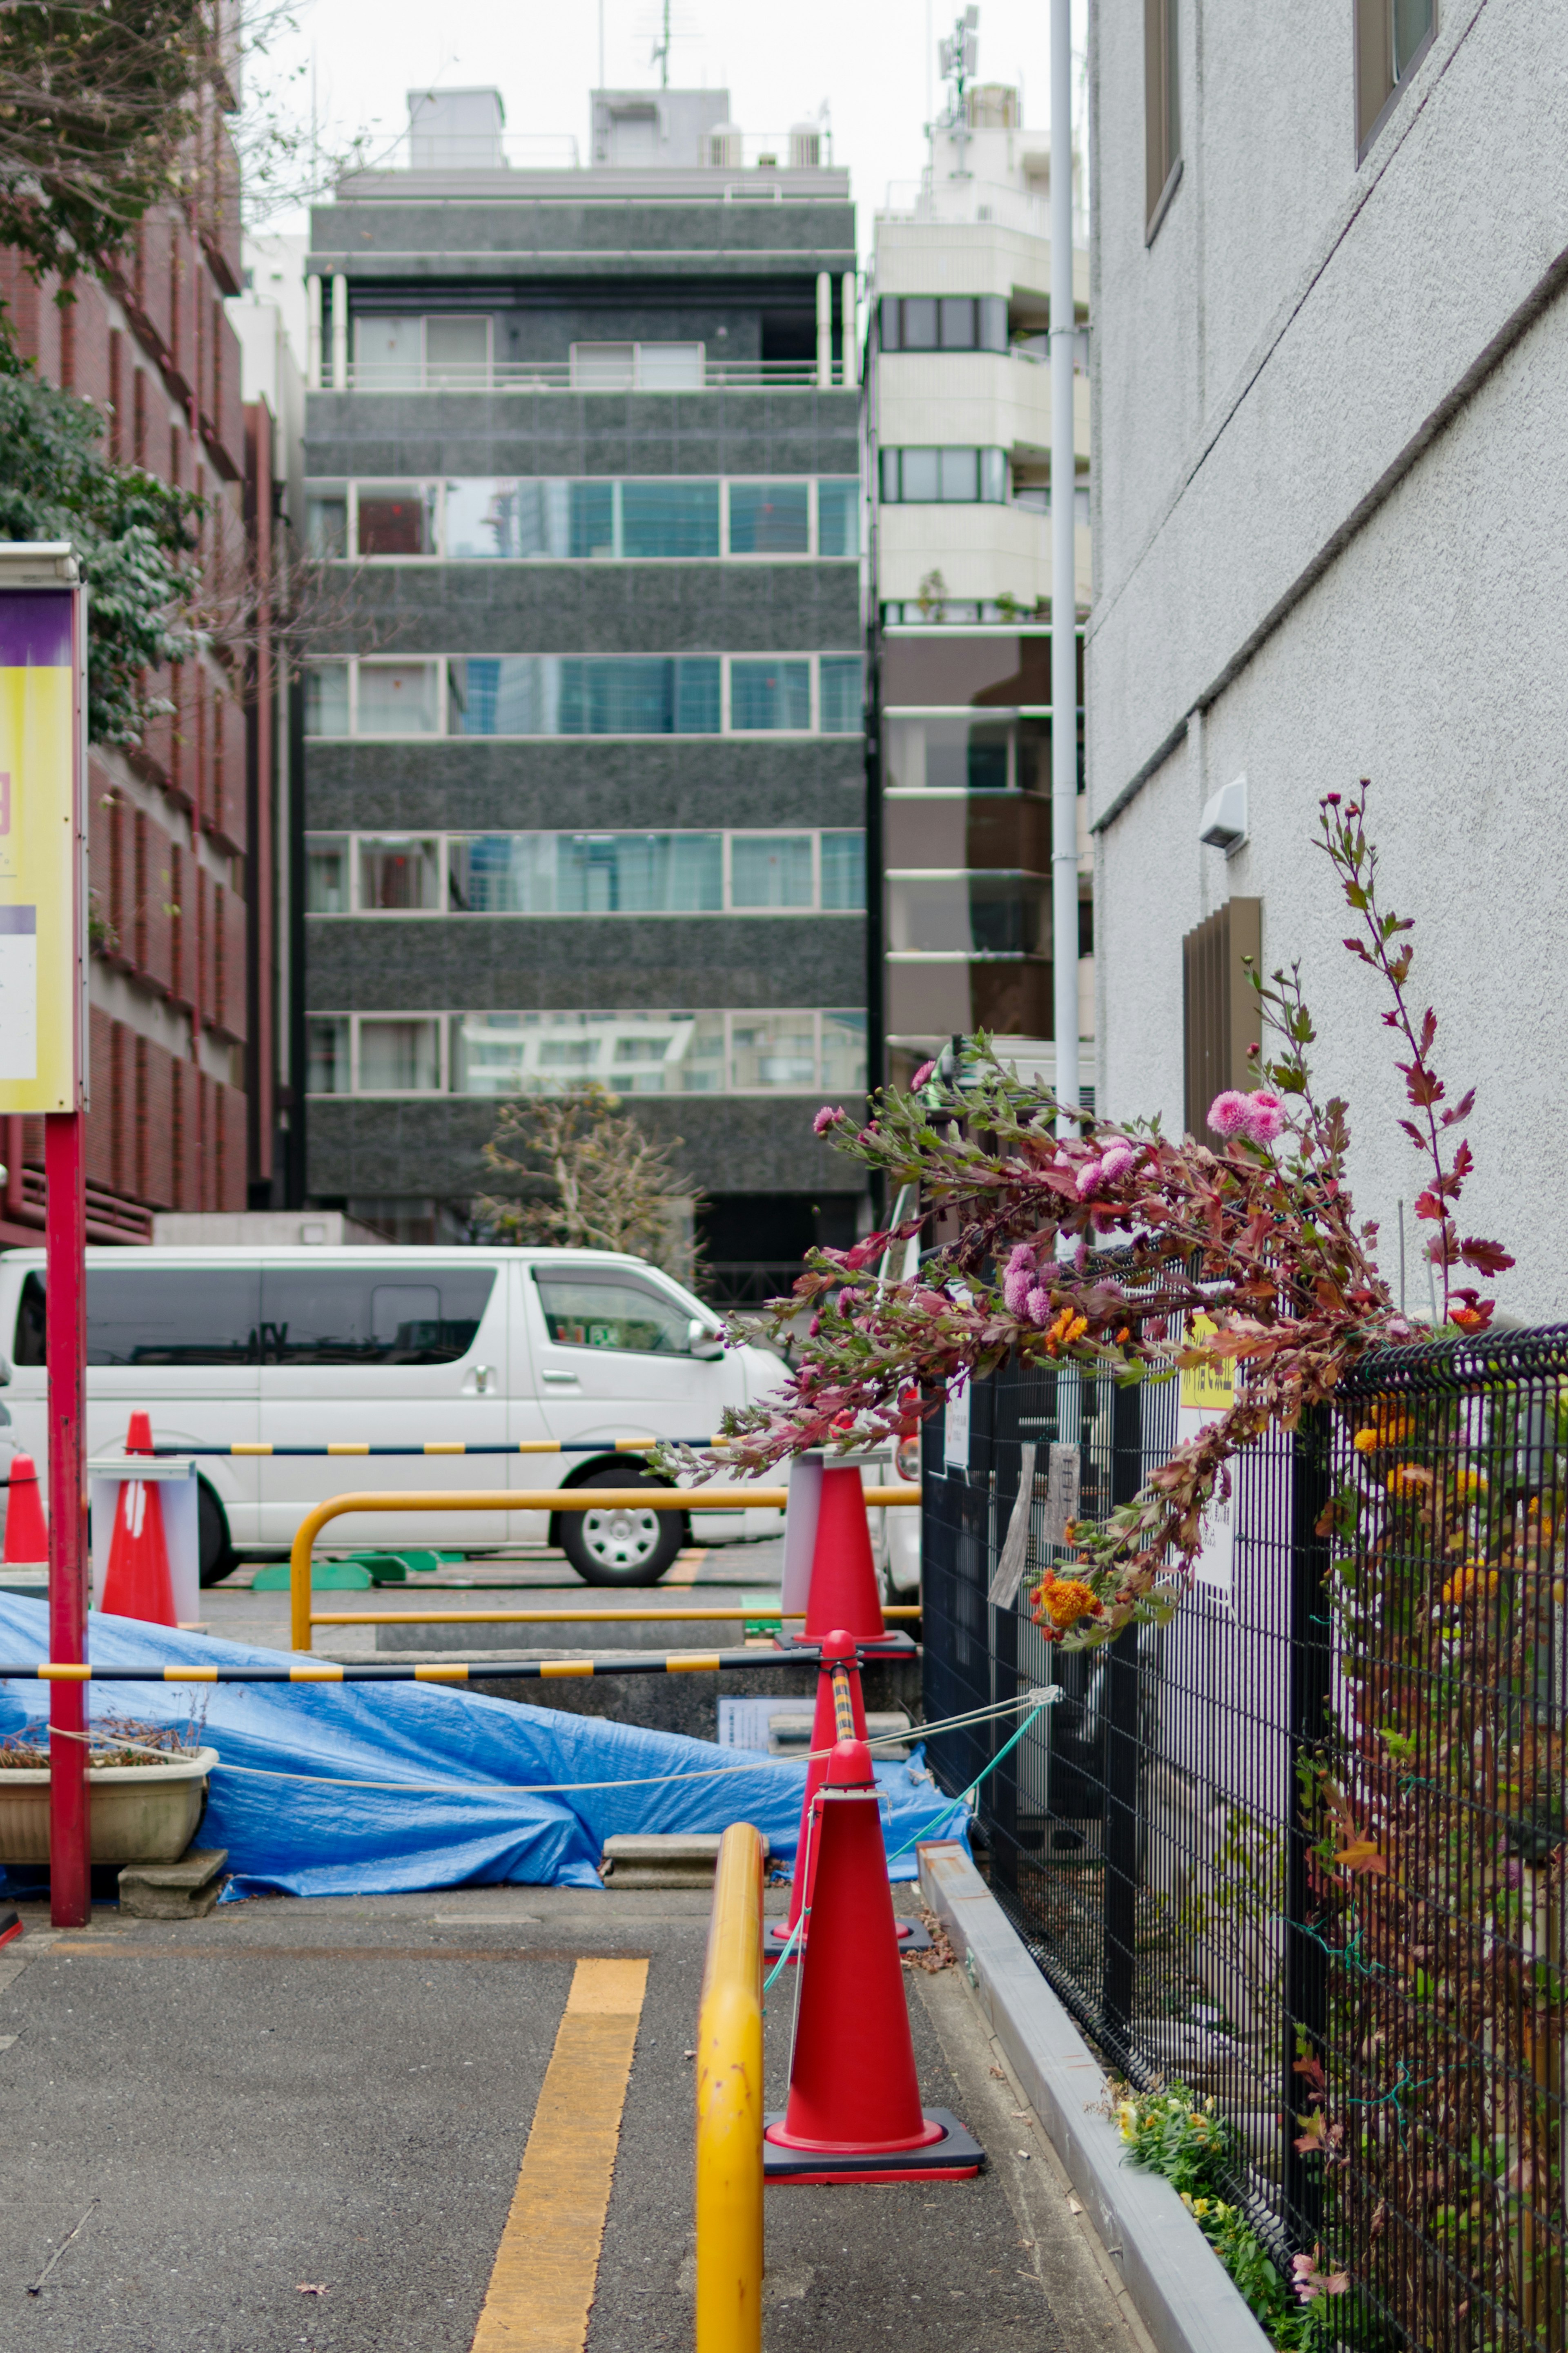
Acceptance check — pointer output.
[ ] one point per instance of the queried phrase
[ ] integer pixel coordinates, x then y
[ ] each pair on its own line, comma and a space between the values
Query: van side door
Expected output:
405, 1352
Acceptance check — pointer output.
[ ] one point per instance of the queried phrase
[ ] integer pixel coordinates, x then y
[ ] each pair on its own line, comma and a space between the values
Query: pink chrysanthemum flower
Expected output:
1119, 1162
1265, 1116
1037, 1307
826, 1118
1230, 1113
921, 1075
1015, 1290
1090, 1178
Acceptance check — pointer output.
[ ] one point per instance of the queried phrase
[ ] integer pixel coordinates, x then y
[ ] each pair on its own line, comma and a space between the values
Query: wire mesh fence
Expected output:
1305, 1848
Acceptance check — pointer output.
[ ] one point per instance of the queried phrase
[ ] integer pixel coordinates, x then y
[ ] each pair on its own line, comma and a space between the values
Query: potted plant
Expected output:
147, 1791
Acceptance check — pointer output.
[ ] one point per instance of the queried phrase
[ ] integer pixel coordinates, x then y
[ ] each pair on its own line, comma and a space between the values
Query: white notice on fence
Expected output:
1206, 1392
955, 1427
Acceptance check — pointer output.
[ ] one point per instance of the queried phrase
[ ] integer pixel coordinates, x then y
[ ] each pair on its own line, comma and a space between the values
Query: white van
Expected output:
394, 1347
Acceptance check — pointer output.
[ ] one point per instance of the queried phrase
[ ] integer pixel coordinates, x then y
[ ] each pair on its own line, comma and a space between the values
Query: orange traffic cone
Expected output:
854, 2110
843, 1573
137, 1583
27, 1533
837, 1649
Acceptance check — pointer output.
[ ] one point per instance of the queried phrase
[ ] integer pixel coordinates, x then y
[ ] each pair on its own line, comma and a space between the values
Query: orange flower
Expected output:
1064, 1600
1473, 1577
1407, 1478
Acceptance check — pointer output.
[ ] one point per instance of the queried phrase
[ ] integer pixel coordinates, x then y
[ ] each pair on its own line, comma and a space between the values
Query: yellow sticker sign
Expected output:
1210, 1389
39, 854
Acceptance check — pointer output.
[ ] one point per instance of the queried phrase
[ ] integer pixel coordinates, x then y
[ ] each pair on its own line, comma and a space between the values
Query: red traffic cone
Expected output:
137, 1583
27, 1533
780, 1935
843, 1573
854, 2110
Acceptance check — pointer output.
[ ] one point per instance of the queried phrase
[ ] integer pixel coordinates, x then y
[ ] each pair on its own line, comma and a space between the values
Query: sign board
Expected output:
40, 857
1206, 1391
955, 1426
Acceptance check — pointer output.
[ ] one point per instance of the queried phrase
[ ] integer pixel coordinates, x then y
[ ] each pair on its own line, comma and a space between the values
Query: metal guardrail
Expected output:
729, 2105
505, 1499
444, 1670
558, 375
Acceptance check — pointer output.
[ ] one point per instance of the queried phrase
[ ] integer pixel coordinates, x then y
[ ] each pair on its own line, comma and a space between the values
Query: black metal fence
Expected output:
1303, 1848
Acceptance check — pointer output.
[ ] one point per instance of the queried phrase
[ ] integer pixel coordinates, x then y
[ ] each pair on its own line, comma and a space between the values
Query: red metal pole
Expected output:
70, 1894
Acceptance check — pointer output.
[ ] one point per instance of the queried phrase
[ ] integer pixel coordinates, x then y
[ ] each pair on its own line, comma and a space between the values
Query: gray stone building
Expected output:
1331, 505
584, 757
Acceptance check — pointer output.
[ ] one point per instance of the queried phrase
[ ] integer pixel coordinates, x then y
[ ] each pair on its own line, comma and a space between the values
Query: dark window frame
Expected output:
1162, 112
1378, 88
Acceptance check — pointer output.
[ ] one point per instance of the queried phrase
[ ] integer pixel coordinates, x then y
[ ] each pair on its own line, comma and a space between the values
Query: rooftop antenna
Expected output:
661, 52
957, 56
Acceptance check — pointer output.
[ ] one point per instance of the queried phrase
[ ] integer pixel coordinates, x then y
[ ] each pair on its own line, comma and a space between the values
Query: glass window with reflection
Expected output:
770, 696
667, 520
770, 869
843, 694
398, 1058
337, 1315
615, 1310
770, 517
838, 516
326, 875
397, 519
397, 698
398, 875
844, 870
327, 699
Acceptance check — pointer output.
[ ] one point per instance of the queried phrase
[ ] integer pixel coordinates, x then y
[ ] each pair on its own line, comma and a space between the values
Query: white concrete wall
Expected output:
1332, 535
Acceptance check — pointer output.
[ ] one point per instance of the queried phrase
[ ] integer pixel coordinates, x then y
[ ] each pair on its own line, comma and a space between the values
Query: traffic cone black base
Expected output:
956, 2157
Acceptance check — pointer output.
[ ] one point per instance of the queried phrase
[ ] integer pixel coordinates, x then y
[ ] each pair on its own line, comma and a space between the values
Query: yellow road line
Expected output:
687, 1566
547, 2267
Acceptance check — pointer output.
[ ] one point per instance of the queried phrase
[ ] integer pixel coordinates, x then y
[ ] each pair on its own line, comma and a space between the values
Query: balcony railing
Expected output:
566, 375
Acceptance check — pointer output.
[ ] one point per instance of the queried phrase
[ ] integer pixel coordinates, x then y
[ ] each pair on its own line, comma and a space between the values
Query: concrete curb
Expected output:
1180, 2290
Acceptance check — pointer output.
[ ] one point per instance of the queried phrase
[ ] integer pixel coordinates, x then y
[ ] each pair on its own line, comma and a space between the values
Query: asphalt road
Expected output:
336, 2096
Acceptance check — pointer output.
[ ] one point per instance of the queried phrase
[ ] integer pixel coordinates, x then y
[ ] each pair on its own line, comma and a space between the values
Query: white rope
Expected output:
562, 1788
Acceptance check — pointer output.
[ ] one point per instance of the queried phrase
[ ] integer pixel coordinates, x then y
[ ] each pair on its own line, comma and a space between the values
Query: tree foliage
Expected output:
580, 1174
98, 108
133, 536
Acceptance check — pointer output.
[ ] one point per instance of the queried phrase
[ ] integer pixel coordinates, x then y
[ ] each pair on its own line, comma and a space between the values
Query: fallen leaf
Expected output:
1000, 2075
1362, 1854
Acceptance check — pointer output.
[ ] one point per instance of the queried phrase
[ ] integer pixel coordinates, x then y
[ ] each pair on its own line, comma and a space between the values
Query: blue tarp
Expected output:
484, 1825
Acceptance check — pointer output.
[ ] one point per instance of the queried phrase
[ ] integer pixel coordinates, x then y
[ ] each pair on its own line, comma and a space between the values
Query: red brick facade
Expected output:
169, 857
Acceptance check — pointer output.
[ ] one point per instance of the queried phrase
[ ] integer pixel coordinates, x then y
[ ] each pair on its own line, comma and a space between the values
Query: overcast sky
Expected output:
873, 61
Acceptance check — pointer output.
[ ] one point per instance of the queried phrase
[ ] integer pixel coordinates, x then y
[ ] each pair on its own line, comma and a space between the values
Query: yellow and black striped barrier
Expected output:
376, 1671
448, 1445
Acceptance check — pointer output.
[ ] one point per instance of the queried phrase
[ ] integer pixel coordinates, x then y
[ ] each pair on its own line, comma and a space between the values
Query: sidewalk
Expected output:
338, 2096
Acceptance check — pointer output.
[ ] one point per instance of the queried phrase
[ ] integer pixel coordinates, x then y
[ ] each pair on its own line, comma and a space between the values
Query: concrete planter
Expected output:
141, 1813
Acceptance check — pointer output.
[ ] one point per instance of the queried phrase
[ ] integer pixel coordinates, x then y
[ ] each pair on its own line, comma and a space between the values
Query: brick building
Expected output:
175, 1044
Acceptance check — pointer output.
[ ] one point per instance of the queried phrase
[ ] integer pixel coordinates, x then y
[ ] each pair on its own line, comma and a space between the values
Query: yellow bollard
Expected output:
730, 2105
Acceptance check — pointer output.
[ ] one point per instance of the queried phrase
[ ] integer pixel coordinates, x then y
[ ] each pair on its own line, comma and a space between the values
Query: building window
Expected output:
1392, 37
327, 699
843, 694
397, 519
944, 323
394, 353
844, 871
637, 1053
1162, 112
956, 477
399, 1057
399, 876
771, 869
398, 699
486, 518
769, 518
583, 874
770, 696
636, 368
839, 517
1219, 1010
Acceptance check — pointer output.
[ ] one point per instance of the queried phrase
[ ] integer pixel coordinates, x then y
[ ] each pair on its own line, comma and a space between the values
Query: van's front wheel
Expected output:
619, 1543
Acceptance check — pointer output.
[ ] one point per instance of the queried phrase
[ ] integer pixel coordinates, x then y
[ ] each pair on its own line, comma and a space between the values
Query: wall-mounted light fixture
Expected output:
1223, 821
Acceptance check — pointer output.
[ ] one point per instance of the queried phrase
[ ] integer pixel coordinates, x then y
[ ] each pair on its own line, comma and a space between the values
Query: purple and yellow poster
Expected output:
38, 853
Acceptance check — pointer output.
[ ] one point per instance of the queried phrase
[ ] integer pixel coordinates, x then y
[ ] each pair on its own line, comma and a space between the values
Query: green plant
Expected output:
1174, 2133
134, 537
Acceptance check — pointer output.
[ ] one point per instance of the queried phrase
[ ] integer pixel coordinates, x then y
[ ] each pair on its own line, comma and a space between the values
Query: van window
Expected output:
336, 1315
612, 1311
154, 1315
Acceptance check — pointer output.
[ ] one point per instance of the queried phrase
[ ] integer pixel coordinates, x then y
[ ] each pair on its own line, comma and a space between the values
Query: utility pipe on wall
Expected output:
1064, 597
